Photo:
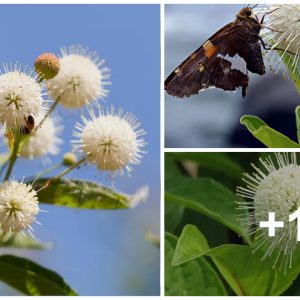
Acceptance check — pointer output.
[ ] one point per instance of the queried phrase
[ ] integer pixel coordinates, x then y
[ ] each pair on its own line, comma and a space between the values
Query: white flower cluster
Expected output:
43, 141
110, 139
282, 31
273, 187
18, 206
82, 78
20, 96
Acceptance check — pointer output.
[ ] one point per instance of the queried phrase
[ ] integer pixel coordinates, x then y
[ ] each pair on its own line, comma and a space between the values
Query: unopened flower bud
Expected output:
47, 65
69, 159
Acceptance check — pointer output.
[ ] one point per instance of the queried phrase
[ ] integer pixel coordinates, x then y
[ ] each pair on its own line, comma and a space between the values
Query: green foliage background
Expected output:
207, 251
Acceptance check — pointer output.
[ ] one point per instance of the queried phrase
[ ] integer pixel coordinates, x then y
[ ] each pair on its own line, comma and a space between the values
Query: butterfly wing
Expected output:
221, 62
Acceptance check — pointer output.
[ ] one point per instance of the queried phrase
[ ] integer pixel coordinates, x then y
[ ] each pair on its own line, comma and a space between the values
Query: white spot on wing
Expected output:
237, 62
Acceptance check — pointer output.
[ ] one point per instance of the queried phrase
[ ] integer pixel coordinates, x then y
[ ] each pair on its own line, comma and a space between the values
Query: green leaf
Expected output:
297, 112
173, 212
173, 215
32, 279
244, 270
171, 169
219, 162
248, 275
268, 136
191, 244
207, 197
85, 194
24, 241
193, 278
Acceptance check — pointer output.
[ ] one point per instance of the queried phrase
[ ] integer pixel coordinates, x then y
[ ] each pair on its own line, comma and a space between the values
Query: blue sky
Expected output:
98, 252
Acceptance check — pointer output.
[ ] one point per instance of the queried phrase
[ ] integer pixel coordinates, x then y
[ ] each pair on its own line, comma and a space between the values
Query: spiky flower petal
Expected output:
18, 206
43, 141
111, 140
282, 30
20, 96
273, 187
82, 78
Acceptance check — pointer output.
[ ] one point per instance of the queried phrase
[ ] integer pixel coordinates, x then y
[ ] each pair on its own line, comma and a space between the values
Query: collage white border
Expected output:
162, 130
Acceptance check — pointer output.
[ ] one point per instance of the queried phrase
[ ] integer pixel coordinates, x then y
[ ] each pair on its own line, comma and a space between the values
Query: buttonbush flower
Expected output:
18, 206
20, 96
111, 140
82, 78
283, 31
273, 187
43, 141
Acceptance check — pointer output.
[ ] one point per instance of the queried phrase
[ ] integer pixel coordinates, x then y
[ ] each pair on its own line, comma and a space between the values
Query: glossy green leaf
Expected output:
31, 278
173, 215
248, 275
207, 197
85, 194
191, 244
193, 278
219, 162
244, 270
268, 136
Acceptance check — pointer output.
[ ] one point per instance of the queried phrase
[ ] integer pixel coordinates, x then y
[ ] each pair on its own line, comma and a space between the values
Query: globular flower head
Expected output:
43, 141
111, 140
273, 187
282, 30
20, 96
18, 206
47, 65
82, 78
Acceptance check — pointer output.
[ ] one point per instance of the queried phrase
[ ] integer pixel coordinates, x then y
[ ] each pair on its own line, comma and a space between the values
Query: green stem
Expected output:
44, 172
66, 171
4, 165
13, 157
48, 113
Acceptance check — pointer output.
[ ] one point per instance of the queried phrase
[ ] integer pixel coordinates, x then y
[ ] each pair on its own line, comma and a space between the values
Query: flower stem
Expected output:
44, 172
48, 113
13, 157
66, 171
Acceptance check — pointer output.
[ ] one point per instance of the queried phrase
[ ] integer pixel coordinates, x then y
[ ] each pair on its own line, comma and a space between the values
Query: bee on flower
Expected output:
21, 97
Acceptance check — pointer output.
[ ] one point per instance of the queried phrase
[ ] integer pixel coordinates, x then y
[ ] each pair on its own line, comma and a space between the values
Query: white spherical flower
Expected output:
111, 140
283, 22
273, 187
82, 78
20, 96
18, 206
43, 141
282, 30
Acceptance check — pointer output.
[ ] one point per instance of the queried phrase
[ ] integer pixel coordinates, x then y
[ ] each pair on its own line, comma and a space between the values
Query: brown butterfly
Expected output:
224, 60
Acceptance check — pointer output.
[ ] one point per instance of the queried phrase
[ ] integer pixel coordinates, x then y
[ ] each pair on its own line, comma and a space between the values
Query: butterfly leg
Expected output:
268, 47
267, 13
